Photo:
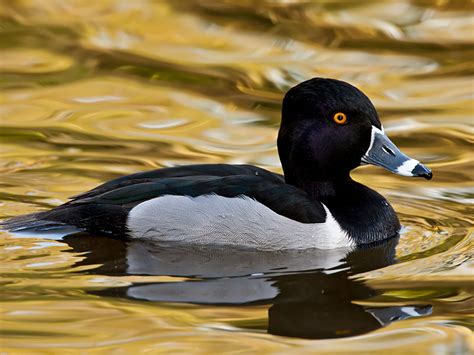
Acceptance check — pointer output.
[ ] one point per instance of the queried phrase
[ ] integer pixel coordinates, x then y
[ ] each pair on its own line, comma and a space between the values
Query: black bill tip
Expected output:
423, 171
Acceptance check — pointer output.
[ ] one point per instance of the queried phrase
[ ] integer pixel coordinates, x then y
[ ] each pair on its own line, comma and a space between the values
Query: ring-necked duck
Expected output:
328, 128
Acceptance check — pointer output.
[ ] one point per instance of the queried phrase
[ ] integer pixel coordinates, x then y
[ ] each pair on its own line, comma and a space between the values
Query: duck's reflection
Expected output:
310, 293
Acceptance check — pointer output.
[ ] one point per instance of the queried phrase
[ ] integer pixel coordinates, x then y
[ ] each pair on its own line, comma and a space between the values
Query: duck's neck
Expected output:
322, 187
364, 214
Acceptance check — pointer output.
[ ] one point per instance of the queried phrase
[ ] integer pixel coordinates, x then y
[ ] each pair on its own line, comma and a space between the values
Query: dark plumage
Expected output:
317, 155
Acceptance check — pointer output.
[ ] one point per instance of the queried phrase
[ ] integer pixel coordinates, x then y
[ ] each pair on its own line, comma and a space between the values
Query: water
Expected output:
92, 91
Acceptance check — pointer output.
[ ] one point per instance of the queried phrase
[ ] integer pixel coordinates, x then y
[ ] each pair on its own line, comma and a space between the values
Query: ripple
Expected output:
33, 61
92, 91
448, 27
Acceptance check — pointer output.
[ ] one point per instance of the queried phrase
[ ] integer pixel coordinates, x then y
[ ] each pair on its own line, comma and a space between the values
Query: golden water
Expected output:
94, 90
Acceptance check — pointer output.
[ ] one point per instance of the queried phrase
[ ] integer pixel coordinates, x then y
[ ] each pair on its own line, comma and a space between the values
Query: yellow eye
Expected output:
340, 118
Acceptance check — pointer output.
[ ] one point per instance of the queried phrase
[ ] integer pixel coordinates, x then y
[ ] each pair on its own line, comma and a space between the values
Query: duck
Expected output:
328, 128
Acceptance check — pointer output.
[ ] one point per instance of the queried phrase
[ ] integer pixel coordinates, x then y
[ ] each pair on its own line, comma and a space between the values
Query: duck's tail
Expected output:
34, 224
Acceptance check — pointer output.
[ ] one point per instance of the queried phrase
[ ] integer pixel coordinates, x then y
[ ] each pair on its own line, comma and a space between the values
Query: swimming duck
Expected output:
328, 128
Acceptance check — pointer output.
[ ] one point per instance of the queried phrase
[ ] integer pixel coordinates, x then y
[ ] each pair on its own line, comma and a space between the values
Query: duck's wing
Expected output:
208, 170
107, 212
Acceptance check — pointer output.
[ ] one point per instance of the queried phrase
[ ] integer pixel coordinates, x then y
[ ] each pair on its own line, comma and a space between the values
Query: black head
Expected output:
315, 145
328, 127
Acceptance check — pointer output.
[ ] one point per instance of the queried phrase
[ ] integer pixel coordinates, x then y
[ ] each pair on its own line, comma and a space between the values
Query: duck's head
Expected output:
328, 128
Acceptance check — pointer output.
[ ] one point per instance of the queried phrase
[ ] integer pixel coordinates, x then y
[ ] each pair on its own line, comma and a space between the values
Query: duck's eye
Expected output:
340, 118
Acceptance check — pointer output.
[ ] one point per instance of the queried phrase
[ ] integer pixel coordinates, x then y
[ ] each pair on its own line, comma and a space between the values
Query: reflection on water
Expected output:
91, 91
309, 293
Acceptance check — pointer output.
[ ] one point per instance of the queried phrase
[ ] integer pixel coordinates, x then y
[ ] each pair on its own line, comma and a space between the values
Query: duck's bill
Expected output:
382, 152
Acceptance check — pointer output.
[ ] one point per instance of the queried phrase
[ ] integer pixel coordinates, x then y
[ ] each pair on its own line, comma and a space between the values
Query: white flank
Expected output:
239, 222
407, 167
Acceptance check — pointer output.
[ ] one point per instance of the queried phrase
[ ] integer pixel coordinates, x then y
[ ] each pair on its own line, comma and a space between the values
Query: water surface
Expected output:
92, 91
